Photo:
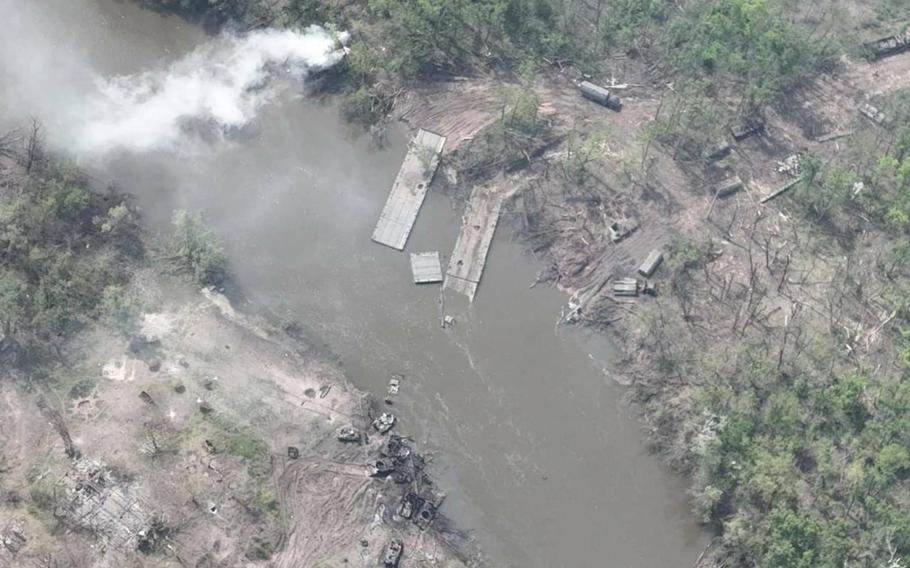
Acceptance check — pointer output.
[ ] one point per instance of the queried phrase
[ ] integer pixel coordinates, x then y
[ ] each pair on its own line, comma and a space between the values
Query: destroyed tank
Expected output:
392, 553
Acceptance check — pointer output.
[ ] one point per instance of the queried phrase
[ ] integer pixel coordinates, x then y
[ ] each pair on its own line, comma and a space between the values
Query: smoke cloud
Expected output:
101, 76
220, 86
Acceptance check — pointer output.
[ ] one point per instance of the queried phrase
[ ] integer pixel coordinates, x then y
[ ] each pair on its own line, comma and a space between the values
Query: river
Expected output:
541, 457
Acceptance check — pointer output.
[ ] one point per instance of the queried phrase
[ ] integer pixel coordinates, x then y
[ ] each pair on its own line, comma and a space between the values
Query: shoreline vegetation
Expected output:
177, 430
771, 368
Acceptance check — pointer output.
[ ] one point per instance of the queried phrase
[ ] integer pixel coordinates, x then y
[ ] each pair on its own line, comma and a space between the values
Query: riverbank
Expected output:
171, 428
509, 437
762, 363
209, 437
753, 287
769, 361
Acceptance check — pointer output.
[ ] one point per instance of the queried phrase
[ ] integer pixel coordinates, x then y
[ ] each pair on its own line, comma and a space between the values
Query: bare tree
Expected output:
34, 146
55, 417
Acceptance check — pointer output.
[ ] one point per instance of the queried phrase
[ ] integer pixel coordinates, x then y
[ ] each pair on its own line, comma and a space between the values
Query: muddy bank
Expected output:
753, 287
753, 322
507, 407
210, 438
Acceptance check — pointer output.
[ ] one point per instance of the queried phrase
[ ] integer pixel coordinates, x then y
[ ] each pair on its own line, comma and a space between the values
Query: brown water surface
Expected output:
540, 456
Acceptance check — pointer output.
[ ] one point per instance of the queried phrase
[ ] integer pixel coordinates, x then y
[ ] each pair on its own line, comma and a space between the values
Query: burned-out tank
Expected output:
392, 553
891, 45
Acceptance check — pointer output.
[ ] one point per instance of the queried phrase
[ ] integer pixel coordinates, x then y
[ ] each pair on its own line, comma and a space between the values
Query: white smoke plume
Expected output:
222, 83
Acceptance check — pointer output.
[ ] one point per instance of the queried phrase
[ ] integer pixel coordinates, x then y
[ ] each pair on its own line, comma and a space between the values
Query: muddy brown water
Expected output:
541, 458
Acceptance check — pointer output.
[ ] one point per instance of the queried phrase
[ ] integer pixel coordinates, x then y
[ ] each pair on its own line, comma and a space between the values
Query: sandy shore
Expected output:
209, 438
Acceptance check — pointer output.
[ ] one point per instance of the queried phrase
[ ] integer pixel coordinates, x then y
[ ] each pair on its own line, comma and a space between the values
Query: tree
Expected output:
120, 309
34, 146
196, 250
13, 302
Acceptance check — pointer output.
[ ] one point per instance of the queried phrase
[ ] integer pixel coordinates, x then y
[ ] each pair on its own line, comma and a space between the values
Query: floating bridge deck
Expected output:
409, 190
426, 268
470, 255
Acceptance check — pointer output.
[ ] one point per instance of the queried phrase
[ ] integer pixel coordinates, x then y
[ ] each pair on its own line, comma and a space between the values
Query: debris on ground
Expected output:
791, 165
395, 447
837, 134
621, 229
13, 540
154, 536
95, 499
625, 287
729, 186
394, 385
150, 447
872, 113
749, 127
785, 188
142, 344
398, 461
384, 422
718, 151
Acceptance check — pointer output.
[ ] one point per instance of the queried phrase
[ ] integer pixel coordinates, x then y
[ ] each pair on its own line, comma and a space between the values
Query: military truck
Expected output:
599, 95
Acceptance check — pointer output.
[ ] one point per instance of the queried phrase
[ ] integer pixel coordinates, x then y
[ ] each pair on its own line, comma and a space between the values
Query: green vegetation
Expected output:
44, 494
418, 37
806, 465
306, 12
239, 441
520, 104
403, 40
582, 154
243, 442
746, 43
690, 121
214, 12
57, 251
195, 250
266, 501
796, 434
872, 178
120, 309
799, 455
